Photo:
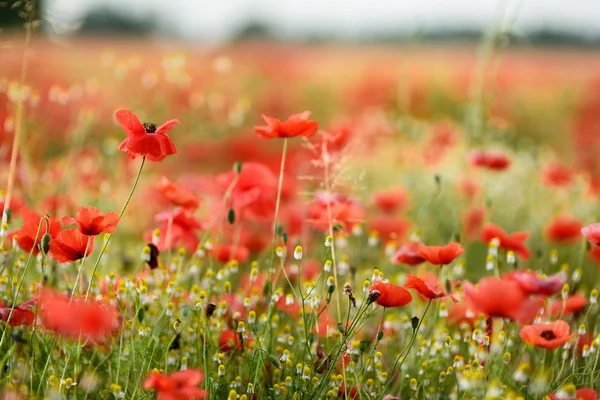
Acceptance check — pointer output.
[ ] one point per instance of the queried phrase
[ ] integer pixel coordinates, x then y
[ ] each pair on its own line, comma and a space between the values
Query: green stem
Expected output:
107, 240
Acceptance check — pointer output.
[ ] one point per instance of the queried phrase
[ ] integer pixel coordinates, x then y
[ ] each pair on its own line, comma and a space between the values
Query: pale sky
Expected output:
217, 20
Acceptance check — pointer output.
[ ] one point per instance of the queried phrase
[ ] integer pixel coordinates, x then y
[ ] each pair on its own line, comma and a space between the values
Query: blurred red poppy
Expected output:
409, 254
491, 160
390, 295
74, 318
389, 227
563, 229
92, 222
296, 125
391, 200
21, 315
548, 336
71, 245
531, 283
571, 305
145, 140
227, 252
556, 174
229, 340
441, 255
502, 298
592, 233
177, 195
180, 385
473, 221
514, 241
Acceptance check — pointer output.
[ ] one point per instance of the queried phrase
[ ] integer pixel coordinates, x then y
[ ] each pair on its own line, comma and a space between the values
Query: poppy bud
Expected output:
237, 167
379, 335
414, 322
210, 309
374, 294
341, 327
231, 216
153, 256
45, 243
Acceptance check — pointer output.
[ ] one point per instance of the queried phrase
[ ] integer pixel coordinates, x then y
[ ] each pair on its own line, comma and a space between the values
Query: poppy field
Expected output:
260, 221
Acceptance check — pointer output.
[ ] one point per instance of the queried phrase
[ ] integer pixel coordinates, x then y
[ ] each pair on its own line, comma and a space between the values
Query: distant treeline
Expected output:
106, 21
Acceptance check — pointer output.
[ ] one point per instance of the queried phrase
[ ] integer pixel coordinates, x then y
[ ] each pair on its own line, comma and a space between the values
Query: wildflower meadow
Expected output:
268, 221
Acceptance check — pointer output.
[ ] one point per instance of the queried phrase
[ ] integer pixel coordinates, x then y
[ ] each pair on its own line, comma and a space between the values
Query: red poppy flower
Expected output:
514, 241
71, 245
390, 295
531, 283
409, 254
344, 212
548, 336
564, 229
490, 160
558, 175
391, 200
75, 318
441, 255
389, 227
594, 254
145, 140
177, 195
26, 236
180, 385
497, 297
427, 288
580, 394
296, 125
592, 233
571, 305
469, 188
21, 315
92, 222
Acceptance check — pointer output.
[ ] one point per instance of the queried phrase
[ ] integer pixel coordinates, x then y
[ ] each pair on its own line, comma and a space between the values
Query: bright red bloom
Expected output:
145, 140
296, 125
580, 394
391, 200
177, 195
390, 295
441, 255
92, 222
72, 318
592, 233
409, 254
514, 241
490, 160
497, 297
71, 245
571, 305
531, 283
564, 229
548, 336
558, 175
180, 385
21, 315
426, 288
26, 236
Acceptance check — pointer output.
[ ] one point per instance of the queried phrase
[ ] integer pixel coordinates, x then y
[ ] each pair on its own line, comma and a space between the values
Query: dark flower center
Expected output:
548, 335
150, 127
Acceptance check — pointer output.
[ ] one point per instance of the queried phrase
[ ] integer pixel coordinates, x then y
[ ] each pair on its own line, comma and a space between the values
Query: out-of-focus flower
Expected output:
180, 385
21, 315
548, 336
491, 160
295, 125
563, 229
514, 241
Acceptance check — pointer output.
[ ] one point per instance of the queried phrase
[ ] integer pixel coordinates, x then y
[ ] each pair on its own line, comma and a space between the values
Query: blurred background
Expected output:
531, 21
